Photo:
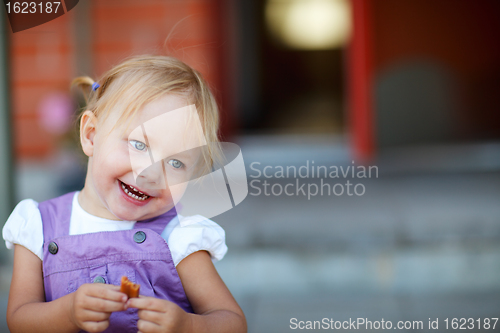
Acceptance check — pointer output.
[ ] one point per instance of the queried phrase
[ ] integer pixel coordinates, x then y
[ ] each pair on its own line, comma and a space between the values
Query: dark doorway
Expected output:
286, 90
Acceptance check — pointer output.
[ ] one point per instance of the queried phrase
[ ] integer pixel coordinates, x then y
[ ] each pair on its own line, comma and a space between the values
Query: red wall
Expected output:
43, 58
463, 36
41, 61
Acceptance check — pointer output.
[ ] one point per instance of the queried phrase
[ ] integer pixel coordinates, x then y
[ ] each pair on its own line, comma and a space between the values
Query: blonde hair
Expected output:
142, 79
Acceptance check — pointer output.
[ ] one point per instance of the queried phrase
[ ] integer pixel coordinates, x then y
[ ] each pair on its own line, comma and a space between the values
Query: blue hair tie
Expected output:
95, 85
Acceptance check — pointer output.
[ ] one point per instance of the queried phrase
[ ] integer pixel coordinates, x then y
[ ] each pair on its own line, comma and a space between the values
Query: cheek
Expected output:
111, 165
177, 191
177, 178
117, 155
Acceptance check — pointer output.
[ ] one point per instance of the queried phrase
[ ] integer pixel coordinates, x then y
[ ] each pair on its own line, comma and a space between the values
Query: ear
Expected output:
88, 123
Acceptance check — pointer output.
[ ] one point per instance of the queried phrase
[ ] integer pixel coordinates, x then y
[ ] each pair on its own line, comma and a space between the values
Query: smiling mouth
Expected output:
133, 192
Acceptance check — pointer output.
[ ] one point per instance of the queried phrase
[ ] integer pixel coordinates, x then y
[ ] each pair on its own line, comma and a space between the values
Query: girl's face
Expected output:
158, 141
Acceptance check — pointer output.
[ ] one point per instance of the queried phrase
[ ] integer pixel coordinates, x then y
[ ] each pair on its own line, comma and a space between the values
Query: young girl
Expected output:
71, 251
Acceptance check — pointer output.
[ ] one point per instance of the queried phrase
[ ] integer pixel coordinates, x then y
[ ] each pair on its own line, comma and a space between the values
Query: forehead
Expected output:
158, 107
168, 126
122, 117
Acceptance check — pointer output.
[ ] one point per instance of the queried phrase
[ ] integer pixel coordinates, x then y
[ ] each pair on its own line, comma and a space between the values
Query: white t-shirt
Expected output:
184, 234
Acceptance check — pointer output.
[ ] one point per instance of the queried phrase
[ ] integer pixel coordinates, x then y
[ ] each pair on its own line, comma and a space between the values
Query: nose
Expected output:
153, 177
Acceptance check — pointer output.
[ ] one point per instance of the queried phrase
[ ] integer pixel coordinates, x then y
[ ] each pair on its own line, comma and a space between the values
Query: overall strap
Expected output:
157, 224
56, 215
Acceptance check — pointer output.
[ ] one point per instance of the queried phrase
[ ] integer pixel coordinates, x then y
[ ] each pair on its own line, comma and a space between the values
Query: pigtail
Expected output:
85, 84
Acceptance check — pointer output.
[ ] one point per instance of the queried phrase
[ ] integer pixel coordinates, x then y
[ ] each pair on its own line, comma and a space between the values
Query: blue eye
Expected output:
141, 146
176, 164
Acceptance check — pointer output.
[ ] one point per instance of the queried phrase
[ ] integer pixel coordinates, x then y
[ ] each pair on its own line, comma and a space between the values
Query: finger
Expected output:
102, 305
106, 291
89, 315
148, 327
93, 326
110, 286
147, 303
152, 316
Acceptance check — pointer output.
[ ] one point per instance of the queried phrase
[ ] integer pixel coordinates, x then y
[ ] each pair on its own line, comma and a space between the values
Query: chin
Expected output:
127, 215
152, 209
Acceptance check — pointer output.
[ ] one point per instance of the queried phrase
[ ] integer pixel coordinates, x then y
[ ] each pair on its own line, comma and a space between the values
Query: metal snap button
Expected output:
139, 237
53, 248
99, 279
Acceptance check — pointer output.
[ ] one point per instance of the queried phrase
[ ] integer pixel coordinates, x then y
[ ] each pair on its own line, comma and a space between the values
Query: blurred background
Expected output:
408, 86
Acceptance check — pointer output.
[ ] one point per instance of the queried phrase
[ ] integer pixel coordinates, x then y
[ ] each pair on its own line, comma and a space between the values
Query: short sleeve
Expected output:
24, 227
186, 235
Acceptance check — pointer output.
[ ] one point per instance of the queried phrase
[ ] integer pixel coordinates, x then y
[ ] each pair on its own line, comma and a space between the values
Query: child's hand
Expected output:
158, 315
93, 303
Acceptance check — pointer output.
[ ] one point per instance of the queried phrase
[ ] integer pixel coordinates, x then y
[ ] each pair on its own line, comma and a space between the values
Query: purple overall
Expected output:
141, 254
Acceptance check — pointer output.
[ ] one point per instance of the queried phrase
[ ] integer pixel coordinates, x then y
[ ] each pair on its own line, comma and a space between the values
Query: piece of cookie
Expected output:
129, 288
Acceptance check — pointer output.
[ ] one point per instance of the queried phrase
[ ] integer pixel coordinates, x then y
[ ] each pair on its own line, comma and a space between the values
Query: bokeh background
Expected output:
409, 86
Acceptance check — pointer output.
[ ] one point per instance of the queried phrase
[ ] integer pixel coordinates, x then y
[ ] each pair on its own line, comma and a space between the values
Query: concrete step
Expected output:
433, 270
395, 212
274, 313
